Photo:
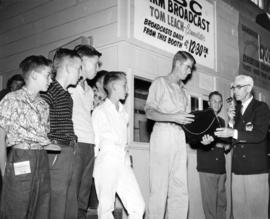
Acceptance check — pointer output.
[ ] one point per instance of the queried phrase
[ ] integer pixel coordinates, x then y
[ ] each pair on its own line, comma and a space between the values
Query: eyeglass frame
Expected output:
238, 87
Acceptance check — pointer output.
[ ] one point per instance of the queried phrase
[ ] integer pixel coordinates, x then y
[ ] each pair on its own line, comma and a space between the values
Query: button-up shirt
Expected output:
81, 117
110, 125
166, 97
24, 117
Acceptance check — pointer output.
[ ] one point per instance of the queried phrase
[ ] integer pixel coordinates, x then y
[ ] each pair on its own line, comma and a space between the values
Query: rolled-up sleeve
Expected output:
155, 95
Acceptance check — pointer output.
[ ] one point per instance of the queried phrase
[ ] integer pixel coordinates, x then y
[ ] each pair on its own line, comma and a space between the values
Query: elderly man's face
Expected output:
241, 89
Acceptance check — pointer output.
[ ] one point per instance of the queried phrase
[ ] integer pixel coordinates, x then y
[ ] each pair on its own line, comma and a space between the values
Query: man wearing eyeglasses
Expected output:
248, 129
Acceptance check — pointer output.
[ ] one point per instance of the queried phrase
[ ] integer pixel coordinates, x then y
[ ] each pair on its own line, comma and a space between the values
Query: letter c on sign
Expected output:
193, 7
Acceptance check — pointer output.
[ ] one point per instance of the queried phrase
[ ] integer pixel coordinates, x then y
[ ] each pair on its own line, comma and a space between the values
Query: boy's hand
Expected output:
207, 139
52, 147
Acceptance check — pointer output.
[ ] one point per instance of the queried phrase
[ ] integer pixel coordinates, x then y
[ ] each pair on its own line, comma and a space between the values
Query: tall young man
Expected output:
166, 104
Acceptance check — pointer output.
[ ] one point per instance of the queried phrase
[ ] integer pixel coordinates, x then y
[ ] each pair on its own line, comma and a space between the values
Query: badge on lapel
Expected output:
249, 127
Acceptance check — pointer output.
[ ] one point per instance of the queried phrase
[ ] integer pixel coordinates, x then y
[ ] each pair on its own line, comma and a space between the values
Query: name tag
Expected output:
22, 168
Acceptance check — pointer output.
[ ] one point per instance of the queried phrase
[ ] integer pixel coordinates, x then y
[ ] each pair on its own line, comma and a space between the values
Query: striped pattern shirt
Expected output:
61, 104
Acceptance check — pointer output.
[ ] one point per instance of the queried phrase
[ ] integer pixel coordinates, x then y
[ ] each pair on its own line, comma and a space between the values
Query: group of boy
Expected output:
48, 126
48, 171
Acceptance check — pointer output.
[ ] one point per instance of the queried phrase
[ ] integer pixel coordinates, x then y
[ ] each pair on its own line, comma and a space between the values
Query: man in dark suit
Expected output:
250, 121
211, 168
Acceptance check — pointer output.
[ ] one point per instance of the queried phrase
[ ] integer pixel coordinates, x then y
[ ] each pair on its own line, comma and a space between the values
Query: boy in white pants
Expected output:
112, 171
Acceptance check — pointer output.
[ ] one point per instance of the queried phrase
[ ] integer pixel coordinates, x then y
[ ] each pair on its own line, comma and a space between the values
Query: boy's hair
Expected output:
110, 77
214, 93
183, 56
98, 77
61, 54
87, 50
17, 77
33, 62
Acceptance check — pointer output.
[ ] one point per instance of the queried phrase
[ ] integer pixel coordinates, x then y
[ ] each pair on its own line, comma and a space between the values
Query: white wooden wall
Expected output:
37, 26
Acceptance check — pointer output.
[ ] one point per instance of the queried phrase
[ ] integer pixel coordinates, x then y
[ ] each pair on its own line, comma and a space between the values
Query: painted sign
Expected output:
254, 49
174, 25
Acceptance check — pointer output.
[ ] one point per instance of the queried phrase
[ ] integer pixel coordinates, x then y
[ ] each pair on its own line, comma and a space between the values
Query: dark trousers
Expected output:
93, 200
26, 196
84, 170
63, 184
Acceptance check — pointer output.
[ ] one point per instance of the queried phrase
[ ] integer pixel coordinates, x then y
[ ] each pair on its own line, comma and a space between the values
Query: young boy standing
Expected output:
83, 97
112, 171
24, 116
67, 64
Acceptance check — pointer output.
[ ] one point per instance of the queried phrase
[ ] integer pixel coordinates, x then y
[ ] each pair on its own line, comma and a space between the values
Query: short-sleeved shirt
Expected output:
110, 125
82, 107
166, 97
24, 117
61, 106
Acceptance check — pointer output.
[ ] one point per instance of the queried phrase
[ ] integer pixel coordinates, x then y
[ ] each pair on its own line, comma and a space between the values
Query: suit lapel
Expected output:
249, 109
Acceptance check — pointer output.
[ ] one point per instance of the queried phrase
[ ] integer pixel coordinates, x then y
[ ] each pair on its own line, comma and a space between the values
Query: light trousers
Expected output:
114, 175
250, 194
168, 173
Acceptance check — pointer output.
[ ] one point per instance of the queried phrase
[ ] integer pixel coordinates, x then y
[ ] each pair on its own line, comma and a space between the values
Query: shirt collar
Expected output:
86, 87
181, 84
111, 105
29, 93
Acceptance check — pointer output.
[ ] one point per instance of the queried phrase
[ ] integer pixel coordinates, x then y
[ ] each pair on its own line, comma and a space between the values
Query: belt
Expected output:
28, 146
169, 123
65, 143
